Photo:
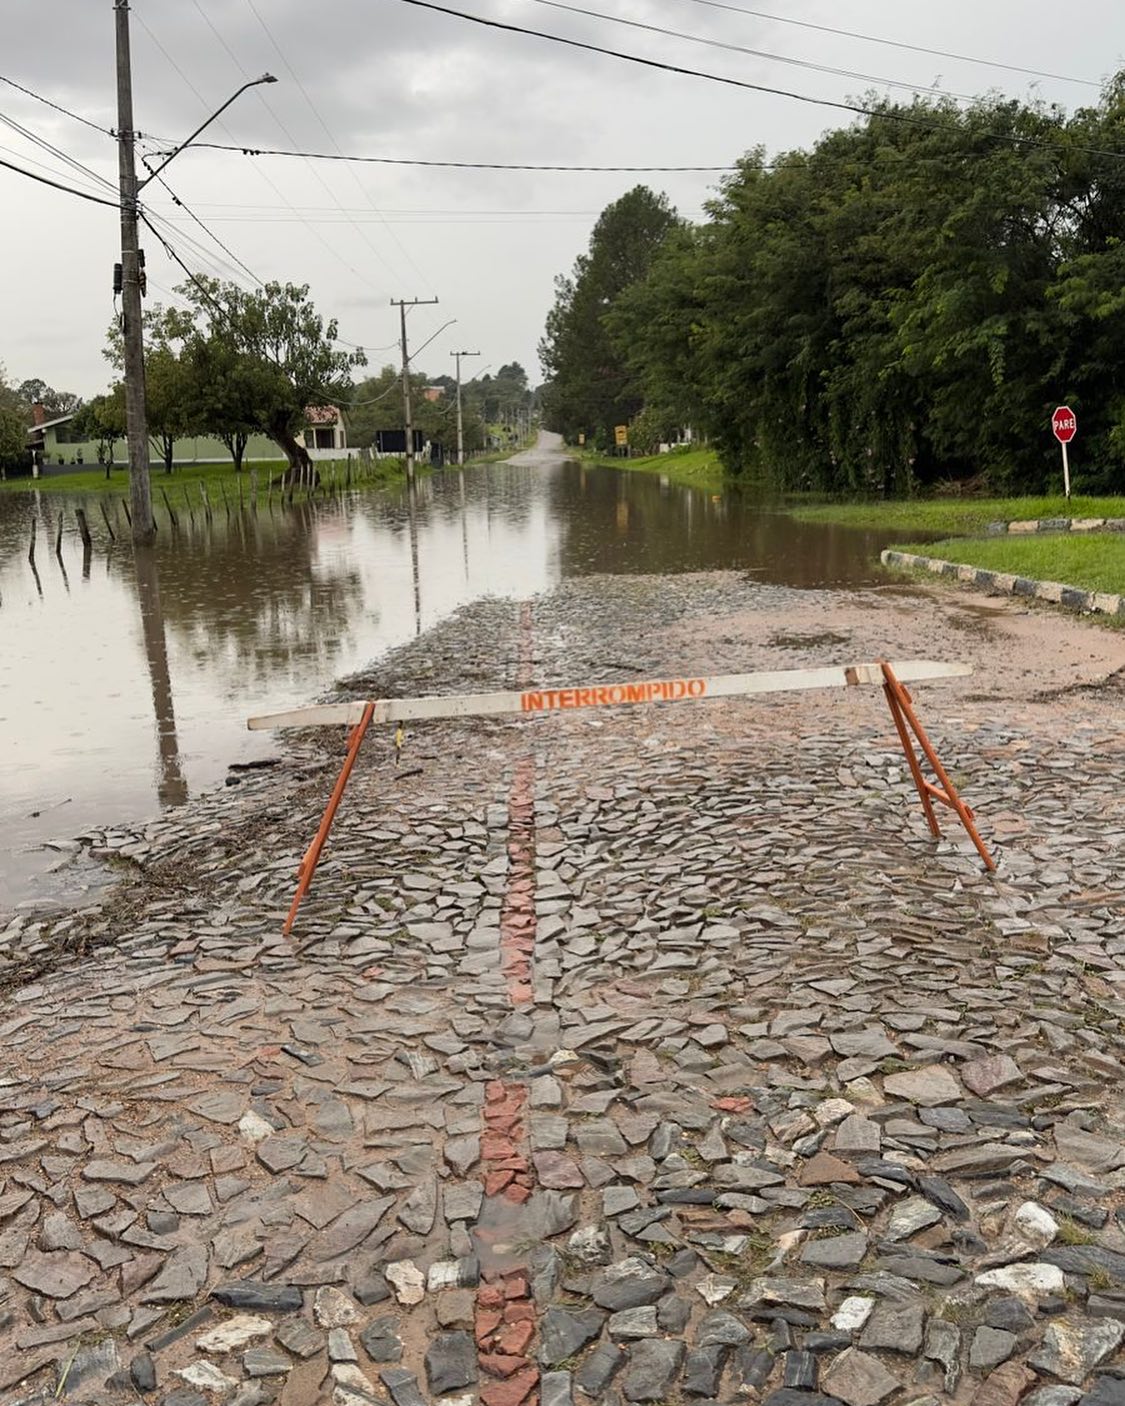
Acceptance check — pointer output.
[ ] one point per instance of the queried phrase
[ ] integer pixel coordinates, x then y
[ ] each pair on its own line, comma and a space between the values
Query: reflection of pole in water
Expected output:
172, 788
464, 522
411, 512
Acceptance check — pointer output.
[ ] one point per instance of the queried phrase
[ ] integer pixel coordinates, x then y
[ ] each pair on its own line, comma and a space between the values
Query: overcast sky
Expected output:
384, 78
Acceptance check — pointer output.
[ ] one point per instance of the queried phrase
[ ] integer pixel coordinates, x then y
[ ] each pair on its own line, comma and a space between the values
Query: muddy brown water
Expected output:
125, 685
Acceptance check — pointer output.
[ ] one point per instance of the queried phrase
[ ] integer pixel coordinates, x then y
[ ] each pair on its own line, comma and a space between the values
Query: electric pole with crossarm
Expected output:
402, 304
460, 423
132, 272
136, 428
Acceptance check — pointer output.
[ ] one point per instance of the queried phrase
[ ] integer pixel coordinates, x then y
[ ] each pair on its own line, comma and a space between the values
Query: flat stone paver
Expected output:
614, 1057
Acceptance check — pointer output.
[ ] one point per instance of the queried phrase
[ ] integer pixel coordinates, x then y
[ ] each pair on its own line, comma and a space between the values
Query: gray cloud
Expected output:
384, 78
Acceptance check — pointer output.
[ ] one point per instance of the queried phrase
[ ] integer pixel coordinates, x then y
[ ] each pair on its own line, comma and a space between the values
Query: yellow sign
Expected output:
621, 435
581, 439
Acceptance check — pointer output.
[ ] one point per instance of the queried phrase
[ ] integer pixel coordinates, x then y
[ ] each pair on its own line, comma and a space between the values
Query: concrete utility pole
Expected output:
136, 425
402, 304
460, 424
132, 285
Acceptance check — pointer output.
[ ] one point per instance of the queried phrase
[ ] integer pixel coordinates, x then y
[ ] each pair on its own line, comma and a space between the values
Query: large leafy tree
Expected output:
502, 396
591, 385
901, 304
13, 420
225, 391
170, 399
56, 403
289, 355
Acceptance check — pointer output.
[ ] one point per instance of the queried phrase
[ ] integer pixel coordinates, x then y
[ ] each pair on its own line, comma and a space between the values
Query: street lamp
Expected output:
132, 333
154, 172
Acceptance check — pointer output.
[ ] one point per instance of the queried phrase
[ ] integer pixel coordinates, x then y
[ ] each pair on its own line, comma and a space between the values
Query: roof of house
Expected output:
49, 424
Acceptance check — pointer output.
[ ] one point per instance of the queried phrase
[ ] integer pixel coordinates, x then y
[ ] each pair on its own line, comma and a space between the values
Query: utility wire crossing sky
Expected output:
457, 152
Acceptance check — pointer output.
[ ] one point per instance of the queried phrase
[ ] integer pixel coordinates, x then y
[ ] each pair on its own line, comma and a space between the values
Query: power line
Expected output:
424, 218
895, 43
66, 112
208, 232
206, 294
36, 140
230, 268
265, 176
465, 165
327, 132
331, 248
57, 185
40, 165
889, 115
170, 250
387, 210
753, 53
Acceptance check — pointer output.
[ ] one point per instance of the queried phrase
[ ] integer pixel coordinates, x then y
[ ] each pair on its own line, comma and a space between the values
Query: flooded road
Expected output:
126, 684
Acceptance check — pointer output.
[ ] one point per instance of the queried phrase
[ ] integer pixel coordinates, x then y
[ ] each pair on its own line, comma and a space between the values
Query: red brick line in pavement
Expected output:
505, 1312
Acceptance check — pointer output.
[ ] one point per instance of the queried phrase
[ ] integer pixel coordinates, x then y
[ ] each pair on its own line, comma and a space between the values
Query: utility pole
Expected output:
136, 425
402, 304
460, 425
132, 277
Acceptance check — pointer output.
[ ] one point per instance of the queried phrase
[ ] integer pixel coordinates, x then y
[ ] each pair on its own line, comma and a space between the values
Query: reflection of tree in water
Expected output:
612, 521
249, 588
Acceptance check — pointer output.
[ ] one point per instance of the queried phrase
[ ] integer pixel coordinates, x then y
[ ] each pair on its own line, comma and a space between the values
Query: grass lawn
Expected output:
217, 478
695, 468
1094, 563
953, 516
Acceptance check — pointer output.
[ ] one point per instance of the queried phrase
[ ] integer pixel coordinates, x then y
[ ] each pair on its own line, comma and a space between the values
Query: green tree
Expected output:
376, 404
170, 400
226, 390
13, 422
291, 354
55, 403
591, 385
901, 304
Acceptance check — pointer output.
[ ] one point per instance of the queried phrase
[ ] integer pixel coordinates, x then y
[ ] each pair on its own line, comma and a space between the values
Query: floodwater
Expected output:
125, 684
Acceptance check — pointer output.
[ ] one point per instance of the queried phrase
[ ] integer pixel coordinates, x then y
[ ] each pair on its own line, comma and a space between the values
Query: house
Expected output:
43, 437
324, 434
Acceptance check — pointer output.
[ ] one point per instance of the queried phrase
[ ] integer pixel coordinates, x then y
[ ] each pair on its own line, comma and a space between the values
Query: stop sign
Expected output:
1064, 422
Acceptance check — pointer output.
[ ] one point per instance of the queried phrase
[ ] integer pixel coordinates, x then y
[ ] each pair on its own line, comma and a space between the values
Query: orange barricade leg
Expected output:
307, 867
906, 721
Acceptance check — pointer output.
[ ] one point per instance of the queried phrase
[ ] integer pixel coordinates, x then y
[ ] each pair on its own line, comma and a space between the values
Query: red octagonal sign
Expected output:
1064, 422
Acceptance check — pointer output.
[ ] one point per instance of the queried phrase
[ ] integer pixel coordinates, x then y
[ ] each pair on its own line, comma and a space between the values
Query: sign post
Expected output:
1064, 422
621, 437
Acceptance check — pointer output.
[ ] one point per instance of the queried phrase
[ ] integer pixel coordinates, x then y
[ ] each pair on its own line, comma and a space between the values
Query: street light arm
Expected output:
156, 170
419, 350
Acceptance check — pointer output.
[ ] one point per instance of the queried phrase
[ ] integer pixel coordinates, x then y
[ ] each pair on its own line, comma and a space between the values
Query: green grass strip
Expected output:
954, 516
1094, 563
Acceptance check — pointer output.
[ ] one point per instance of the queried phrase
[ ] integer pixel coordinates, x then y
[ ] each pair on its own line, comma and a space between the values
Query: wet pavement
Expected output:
622, 1056
126, 683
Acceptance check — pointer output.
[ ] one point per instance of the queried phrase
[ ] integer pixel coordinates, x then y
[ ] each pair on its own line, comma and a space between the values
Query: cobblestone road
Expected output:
646, 1056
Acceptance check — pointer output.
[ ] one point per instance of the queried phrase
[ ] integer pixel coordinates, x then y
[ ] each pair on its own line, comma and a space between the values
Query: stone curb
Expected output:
1057, 524
1071, 597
